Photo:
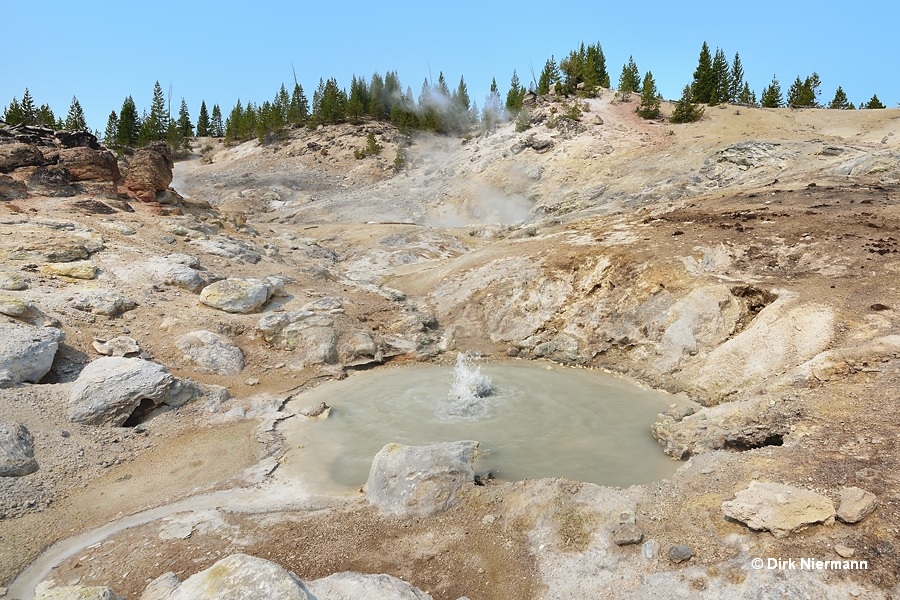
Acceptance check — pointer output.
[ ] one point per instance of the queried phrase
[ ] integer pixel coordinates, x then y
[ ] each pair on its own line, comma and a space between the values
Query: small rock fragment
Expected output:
650, 549
843, 551
680, 553
856, 505
626, 535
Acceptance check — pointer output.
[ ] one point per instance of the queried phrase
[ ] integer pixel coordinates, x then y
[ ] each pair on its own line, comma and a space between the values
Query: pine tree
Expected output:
12, 114
359, 99
515, 95
492, 111
650, 101
804, 93
736, 79
185, 129
45, 116
771, 95
234, 123
703, 88
29, 112
686, 110
203, 121
629, 79
635, 75
393, 95
461, 96
282, 106
75, 119
332, 103
549, 76
216, 128
129, 125
442, 88
157, 126
721, 78
596, 61
377, 108
111, 135
746, 97
840, 101
874, 102
299, 108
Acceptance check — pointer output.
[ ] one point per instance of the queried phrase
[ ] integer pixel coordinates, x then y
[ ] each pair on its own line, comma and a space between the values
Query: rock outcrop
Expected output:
310, 335
149, 172
420, 480
116, 391
779, 509
16, 451
211, 352
26, 352
55, 163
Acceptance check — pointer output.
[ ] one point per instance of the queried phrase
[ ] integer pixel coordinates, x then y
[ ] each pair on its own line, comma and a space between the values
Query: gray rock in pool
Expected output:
420, 480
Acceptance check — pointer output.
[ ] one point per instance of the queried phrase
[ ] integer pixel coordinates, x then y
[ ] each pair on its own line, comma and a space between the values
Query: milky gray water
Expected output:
574, 423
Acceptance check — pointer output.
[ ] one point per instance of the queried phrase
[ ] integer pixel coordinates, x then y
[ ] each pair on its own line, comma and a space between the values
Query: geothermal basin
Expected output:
532, 419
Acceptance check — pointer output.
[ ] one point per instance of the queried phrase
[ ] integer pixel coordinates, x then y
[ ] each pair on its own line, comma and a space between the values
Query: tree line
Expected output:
437, 108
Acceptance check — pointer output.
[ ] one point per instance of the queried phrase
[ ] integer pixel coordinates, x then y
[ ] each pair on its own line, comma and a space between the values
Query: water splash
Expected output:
468, 390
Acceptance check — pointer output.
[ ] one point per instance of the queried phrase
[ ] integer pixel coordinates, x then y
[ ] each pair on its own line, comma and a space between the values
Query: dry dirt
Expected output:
653, 199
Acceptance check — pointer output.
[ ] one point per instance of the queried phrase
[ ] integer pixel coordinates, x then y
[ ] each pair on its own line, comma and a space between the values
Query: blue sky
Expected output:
101, 50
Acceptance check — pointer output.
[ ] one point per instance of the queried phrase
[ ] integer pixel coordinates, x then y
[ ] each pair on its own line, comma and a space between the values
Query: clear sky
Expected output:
101, 50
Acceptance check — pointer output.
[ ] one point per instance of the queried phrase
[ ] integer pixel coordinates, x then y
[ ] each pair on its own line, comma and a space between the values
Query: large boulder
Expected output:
779, 509
16, 451
149, 172
241, 577
211, 352
116, 391
235, 295
420, 480
370, 587
26, 352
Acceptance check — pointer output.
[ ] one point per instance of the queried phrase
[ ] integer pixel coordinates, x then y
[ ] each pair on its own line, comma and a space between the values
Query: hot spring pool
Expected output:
537, 422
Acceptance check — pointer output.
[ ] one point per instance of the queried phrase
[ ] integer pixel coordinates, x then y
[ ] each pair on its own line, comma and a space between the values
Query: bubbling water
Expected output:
539, 420
468, 391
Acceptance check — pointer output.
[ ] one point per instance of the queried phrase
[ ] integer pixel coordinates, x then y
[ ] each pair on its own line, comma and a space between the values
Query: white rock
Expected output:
237, 295
211, 352
110, 389
103, 302
26, 352
241, 577
371, 587
420, 480
780, 509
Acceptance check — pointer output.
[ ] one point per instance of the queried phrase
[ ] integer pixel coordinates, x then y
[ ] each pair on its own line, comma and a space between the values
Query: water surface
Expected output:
574, 423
